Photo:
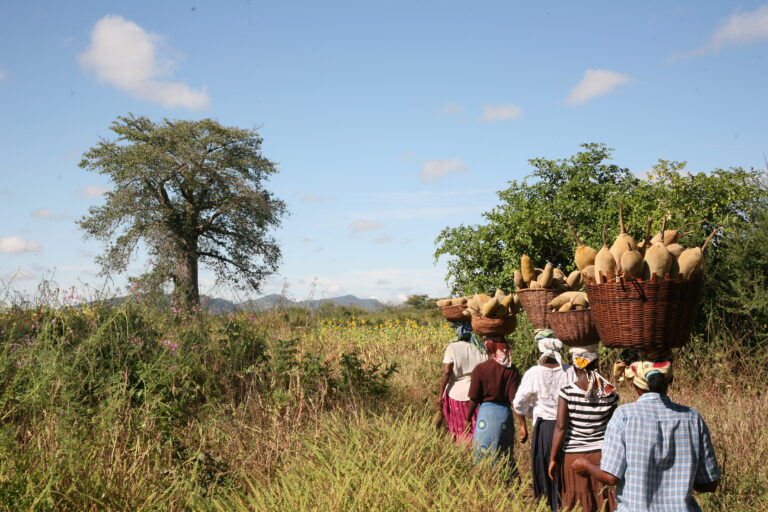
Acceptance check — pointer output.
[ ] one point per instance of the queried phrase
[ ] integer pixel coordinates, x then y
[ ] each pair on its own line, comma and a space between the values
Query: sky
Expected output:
388, 121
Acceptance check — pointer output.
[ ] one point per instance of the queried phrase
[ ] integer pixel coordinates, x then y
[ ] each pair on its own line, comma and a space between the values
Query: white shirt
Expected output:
537, 395
464, 357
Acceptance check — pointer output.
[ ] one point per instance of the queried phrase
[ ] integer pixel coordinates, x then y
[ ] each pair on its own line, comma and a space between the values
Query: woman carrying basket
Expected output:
656, 452
537, 398
460, 358
491, 392
583, 411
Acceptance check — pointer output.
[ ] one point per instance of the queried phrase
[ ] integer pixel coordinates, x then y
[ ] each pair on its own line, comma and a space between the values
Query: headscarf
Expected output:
549, 346
597, 385
636, 368
498, 349
464, 333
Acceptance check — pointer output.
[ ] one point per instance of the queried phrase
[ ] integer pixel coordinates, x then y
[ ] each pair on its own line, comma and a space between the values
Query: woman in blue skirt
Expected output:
492, 389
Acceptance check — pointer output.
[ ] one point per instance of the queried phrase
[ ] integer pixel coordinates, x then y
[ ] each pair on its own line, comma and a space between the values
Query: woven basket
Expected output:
574, 328
454, 313
535, 303
494, 326
645, 314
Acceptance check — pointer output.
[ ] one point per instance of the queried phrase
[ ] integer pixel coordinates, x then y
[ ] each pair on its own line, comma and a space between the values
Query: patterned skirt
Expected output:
494, 432
455, 413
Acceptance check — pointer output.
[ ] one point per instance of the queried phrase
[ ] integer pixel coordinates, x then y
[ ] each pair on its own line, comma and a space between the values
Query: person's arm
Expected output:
470, 413
444, 379
561, 424
708, 473
583, 467
523, 428
522, 402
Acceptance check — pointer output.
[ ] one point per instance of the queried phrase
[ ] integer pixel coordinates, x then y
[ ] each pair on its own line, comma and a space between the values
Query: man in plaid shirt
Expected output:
655, 451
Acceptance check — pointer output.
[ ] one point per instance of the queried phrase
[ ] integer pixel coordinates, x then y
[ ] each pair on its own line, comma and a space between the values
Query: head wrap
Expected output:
463, 331
498, 349
549, 346
597, 385
636, 368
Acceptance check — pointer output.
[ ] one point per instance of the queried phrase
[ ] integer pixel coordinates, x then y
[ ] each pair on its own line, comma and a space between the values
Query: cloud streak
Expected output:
126, 56
93, 191
363, 225
596, 83
740, 29
434, 170
496, 113
17, 245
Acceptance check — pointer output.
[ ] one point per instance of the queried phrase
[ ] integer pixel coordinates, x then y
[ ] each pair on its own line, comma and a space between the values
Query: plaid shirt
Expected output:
658, 449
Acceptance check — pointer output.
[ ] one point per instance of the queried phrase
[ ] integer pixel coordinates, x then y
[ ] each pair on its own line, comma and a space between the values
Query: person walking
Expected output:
491, 392
656, 452
583, 411
536, 398
460, 358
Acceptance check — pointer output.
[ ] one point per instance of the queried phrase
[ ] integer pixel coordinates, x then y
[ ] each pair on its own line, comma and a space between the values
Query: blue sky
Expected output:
389, 120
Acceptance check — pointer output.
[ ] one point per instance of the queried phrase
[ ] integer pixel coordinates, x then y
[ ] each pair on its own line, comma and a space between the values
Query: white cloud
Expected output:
126, 56
313, 198
742, 28
361, 225
333, 288
451, 109
43, 213
495, 113
596, 82
433, 170
17, 245
93, 191
383, 239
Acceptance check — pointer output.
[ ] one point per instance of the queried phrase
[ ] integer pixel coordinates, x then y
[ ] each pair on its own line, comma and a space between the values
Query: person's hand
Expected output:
581, 466
553, 467
523, 433
439, 403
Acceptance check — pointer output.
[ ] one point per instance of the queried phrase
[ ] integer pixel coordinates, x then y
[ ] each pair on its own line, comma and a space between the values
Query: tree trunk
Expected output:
186, 291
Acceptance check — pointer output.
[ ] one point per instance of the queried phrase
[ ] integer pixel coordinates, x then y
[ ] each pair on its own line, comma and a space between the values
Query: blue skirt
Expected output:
494, 432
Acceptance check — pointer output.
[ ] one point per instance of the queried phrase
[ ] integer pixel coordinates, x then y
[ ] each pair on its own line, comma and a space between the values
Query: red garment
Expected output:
492, 382
455, 413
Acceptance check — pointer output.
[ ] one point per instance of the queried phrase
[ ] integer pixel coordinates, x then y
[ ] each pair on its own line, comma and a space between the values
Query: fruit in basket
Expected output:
519, 281
632, 263
545, 278
675, 249
691, 261
605, 264
563, 298
574, 280
527, 269
589, 274
623, 239
657, 258
671, 236
584, 255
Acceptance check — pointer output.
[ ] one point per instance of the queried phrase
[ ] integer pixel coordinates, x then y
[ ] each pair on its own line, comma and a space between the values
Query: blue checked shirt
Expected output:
658, 449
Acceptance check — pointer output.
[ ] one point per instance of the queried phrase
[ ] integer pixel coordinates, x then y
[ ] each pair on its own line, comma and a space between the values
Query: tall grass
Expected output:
131, 408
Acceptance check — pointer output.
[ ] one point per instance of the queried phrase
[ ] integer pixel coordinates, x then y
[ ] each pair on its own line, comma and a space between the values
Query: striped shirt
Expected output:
587, 419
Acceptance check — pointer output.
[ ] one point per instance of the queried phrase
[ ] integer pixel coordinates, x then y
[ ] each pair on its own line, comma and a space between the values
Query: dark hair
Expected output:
657, 383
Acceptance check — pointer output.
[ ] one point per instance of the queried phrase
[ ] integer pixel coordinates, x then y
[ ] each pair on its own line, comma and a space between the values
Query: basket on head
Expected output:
494, 326
645, 314
454, 313
535, 302
574, 328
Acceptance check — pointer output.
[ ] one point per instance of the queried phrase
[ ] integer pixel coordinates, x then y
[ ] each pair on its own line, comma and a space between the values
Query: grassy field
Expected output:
127, 408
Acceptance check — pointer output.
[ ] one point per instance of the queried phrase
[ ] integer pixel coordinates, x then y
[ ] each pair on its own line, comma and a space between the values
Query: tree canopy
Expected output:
586, 190
190, 192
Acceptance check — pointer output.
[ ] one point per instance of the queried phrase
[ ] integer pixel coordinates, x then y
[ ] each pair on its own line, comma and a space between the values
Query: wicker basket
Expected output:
494, 326
454, 313
535, 302
574, 328
645, 314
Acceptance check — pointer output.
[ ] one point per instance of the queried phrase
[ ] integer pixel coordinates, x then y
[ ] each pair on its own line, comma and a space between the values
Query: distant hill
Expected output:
215, 305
